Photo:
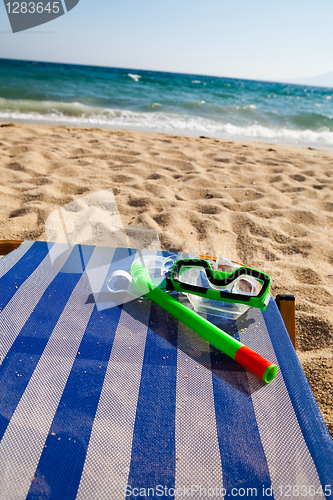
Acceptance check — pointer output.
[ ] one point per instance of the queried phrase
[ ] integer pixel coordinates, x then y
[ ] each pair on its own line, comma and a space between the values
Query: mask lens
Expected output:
193, 276
246, 286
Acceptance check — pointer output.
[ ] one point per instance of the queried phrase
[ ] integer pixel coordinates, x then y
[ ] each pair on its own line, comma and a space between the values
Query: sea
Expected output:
172, 103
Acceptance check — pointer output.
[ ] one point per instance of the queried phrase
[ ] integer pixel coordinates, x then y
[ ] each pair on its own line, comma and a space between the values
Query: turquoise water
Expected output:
166, 102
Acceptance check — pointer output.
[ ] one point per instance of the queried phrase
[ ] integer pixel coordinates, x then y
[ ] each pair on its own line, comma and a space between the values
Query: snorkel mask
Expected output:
207, 288
215, 286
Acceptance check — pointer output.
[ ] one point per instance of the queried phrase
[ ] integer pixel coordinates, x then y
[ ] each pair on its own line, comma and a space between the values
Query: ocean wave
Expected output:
82, 115
136, 78
24, 106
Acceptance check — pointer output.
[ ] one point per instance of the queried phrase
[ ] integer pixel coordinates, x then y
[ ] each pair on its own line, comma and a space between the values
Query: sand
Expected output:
267, 206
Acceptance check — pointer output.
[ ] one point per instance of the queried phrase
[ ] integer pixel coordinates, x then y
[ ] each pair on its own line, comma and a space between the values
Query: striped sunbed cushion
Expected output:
99, 401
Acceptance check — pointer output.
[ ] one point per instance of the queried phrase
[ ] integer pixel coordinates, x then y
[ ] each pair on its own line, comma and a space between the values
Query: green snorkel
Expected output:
245, 356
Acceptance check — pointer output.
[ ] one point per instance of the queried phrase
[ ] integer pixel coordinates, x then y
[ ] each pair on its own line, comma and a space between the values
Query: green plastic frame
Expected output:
221, 279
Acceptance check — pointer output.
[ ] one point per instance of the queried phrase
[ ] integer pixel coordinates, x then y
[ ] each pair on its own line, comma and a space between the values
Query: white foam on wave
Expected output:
81, 115
136, 78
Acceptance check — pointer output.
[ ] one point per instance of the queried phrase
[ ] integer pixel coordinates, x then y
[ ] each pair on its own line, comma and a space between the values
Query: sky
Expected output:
276, 40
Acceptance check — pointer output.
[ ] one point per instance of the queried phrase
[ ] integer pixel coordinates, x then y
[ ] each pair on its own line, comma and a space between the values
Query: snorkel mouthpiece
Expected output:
251, 360
141, 281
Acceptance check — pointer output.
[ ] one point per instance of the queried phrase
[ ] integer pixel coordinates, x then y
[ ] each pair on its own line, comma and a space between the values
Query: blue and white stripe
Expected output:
95, 399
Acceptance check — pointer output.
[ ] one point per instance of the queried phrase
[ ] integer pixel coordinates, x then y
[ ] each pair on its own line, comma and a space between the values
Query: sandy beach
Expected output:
267, 206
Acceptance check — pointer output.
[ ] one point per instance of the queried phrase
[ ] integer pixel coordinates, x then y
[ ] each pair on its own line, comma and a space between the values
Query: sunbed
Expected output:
105, 401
